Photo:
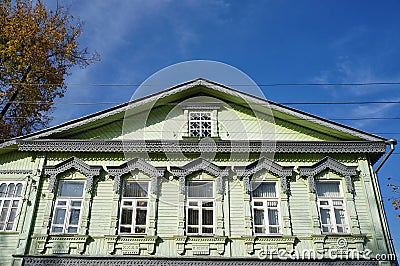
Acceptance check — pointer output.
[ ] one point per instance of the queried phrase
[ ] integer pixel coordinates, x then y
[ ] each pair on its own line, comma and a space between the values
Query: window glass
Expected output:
328, 189
265, 208
67, 211
200, 189
200, 124
264, 190
135, 189
70, 189
331, 207
200, 207
133, 219
10, 200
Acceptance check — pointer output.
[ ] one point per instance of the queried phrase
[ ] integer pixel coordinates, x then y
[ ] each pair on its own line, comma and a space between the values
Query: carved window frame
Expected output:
70, 169
266, 170
201, 244
200, 107
132, 171
345, 174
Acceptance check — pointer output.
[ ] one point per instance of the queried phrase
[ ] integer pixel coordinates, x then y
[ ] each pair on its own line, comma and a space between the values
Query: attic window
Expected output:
202, 119
200, 124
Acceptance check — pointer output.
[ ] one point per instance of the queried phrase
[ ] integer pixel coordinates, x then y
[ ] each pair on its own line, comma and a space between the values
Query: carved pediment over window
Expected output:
328, 164
135, 164
72, 163
200, 164
245, 172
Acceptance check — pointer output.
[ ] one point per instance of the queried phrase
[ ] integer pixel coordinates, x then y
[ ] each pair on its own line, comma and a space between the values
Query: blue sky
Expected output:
272, 41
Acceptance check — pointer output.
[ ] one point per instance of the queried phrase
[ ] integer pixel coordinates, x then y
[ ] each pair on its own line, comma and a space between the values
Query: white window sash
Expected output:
6, 211
68, 211
332, 225
199, 207
200, 122
266, 204
135, 208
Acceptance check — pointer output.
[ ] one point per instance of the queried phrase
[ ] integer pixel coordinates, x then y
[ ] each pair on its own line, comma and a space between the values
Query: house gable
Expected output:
290, 124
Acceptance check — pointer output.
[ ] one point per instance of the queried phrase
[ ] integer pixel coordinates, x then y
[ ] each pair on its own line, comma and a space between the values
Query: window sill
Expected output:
194, 245
61, 244
268, 235
9, 233
265, 242
336, 234
201, 138
131, 244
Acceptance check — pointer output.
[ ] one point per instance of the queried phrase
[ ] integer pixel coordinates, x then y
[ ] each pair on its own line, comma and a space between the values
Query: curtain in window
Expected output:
264, 190
328, 189
70, 189
325, 216
340, 216
135, 189
200, 190
3, 189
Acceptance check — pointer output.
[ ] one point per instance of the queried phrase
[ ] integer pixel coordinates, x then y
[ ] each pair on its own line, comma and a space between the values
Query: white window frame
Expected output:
14, 204
68, 207
333, 226
264, 201
134, 207
196, 203
190, 121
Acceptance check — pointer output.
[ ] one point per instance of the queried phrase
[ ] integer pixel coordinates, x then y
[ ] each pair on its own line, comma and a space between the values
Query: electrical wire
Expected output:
236, 85
284, 103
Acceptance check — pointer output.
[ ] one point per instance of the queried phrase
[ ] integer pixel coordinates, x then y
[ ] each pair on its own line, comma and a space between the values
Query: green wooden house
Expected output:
197, 174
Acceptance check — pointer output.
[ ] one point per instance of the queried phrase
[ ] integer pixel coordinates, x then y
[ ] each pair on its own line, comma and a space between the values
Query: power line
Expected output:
284, 103
234, 85
246, 119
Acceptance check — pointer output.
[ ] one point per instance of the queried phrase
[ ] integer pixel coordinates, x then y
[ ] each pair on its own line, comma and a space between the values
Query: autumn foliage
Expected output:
396, 199
38, 46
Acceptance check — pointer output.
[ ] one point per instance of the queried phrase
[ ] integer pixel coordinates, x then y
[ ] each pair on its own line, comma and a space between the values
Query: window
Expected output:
265, 205
67, 212
331, 207
133, 217
10, 199
200, 124
200, 208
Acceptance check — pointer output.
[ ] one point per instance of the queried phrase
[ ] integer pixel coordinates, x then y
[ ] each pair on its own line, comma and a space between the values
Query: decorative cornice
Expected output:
16, 172
328, 163
200, 164
135, 164
89, 171
245, 172
200, 106
30, 260
193, 146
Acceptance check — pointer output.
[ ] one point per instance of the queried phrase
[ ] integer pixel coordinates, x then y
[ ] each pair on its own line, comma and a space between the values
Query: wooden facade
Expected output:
195, 174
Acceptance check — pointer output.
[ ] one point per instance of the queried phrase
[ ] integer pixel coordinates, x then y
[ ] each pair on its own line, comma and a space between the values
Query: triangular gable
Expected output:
281, 113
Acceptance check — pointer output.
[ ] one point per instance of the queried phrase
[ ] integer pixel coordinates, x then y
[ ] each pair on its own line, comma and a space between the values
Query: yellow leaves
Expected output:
37, 47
